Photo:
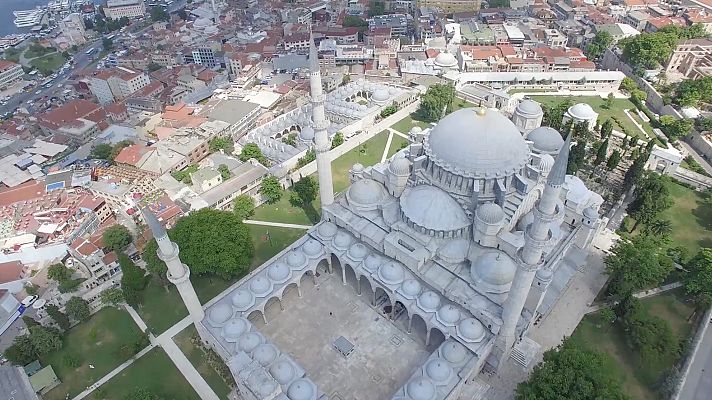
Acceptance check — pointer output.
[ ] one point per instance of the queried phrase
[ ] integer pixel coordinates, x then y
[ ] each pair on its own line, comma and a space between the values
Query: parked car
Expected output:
27, 301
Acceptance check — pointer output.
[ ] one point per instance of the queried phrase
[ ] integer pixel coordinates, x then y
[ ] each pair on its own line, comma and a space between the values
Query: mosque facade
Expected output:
471, 233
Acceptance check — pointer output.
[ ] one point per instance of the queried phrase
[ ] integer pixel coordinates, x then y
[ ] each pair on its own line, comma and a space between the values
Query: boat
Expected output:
28, 18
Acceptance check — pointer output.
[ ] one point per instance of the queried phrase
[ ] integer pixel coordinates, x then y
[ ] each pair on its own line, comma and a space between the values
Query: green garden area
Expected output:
201, 360
154, 372
49, 63
640, 378
104, 341
615, 112
691, 218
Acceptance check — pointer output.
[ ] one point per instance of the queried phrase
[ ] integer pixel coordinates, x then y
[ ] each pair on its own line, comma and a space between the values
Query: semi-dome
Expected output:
301, 389
455, 250
448, 315
234, 328
366, 192
327, 229
282, 371
421, 388
529, 108
432, 208
358, 251
249, 341
490, 213
400, 166
312, 248
438, 370
429, 301
265, 354
494, 268
278, 272
380, 95
474, 143
242, 299
391, 273
219, 314
307, 133
260, 286
471, 330
372, 262
445, 60
296, 259
411, 288
582, 111
546, 140
453, 352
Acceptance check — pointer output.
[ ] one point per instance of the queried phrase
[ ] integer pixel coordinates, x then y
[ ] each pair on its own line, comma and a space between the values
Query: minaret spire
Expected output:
536, 238
320, 124
178, 273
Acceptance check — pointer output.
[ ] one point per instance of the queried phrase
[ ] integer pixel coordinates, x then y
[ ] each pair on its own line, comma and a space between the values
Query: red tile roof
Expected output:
11, 271
131, 154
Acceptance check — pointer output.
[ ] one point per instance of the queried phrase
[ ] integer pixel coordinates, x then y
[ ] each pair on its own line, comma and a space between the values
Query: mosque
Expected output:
428, 270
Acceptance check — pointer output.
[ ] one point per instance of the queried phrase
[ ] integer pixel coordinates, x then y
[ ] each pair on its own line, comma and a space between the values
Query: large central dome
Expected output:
477, 143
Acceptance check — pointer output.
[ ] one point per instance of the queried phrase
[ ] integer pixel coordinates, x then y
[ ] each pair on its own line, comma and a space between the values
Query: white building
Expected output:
116, 9
116, 84
9, 73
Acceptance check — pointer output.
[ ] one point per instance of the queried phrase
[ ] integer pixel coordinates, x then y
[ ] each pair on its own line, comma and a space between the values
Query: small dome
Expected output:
307, 133
391, 273
453, 352
301, 389
327, 229
358, 167
546, 140
234, 328
358, 251
445, 60
411, 288
380, 95
490, 213
544, 274
448, 315
494, 268
219, 314
278, 272
471, 330
400, 166
421, 389
312, 248
546, 162
265, 354
282, 371
366, 192
590, 213
529, 108
372, 262
582, 111
249, 341
242, 299
266, 388
415, 130
296, 259
438, 370
260, 286
343, 240
429, 301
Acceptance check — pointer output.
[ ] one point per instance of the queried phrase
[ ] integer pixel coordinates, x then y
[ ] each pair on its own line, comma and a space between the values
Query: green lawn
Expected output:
154, 372
98, 342
281, 211
48, 64
639, 377
185, 340
397, 143
691, 218
624, 123
266, 246
405, 125
368, 153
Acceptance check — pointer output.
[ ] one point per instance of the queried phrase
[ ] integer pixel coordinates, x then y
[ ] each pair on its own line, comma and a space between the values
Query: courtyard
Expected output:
384, 355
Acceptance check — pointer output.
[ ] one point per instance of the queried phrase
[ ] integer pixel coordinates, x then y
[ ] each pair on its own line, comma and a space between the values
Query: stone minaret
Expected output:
320, 123
178, 273
531, 255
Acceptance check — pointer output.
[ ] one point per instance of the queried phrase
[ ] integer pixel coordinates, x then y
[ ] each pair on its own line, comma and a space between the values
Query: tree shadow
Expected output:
311, 213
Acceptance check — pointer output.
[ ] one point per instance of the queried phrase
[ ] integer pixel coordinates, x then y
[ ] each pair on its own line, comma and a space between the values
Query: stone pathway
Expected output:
388, 145
395, 132
277, 224
640, 127
641, 295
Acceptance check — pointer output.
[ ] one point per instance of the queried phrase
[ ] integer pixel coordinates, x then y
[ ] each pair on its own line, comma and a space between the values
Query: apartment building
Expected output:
116, 9
116, 84
9, 73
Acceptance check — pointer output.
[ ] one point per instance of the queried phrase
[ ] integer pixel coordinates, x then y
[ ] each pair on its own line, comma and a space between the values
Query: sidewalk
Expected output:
277, 224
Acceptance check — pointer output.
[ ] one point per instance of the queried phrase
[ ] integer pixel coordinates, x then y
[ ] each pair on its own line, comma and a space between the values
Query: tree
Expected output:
601, 152
78, 309
691, 92
698, 280
376, 8
213, 242
636, 171
251, 150
45, 340
606, 128
573, 373
436, 102
628, 85
651, 197
307, 189
152, 66
117, 237
111, 297
599, 44
337, 141
101, 151
29, 321
608, 103
613, 160
159, 14
607, 316
224, 172
59, 272
650, 335
659, 227
243, 206
290, 139
308, 157
107, 44
221, 143
141, 394
390, 110
133, 279
636, 263
648, 50
675, 128
577, 156
704, 124
553, 116
271, 189
57, 316
22, 351
353, 21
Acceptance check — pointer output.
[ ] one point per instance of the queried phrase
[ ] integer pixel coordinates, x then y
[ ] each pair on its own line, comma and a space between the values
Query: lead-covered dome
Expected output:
366, 192
445, 60
438, 370
471, 330
529, 108
307, 133
282, 371
476, 143
432, 208
582, 111
453, 352
545, 139
302, 389
421, 389
490, 213
495, 269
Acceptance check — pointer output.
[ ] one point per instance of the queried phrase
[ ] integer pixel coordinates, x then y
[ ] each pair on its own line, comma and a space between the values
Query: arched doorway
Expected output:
351, 279
418, 328
322, 267
272, 308
290, 292
336, 268
436, 339
256, 318
366, 290
382, 302
400, 316
306, 282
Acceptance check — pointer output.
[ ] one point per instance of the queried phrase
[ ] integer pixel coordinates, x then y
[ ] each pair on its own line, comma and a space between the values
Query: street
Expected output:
697, 385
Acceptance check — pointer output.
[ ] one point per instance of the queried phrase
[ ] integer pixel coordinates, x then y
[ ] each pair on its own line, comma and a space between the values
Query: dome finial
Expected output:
481, 111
